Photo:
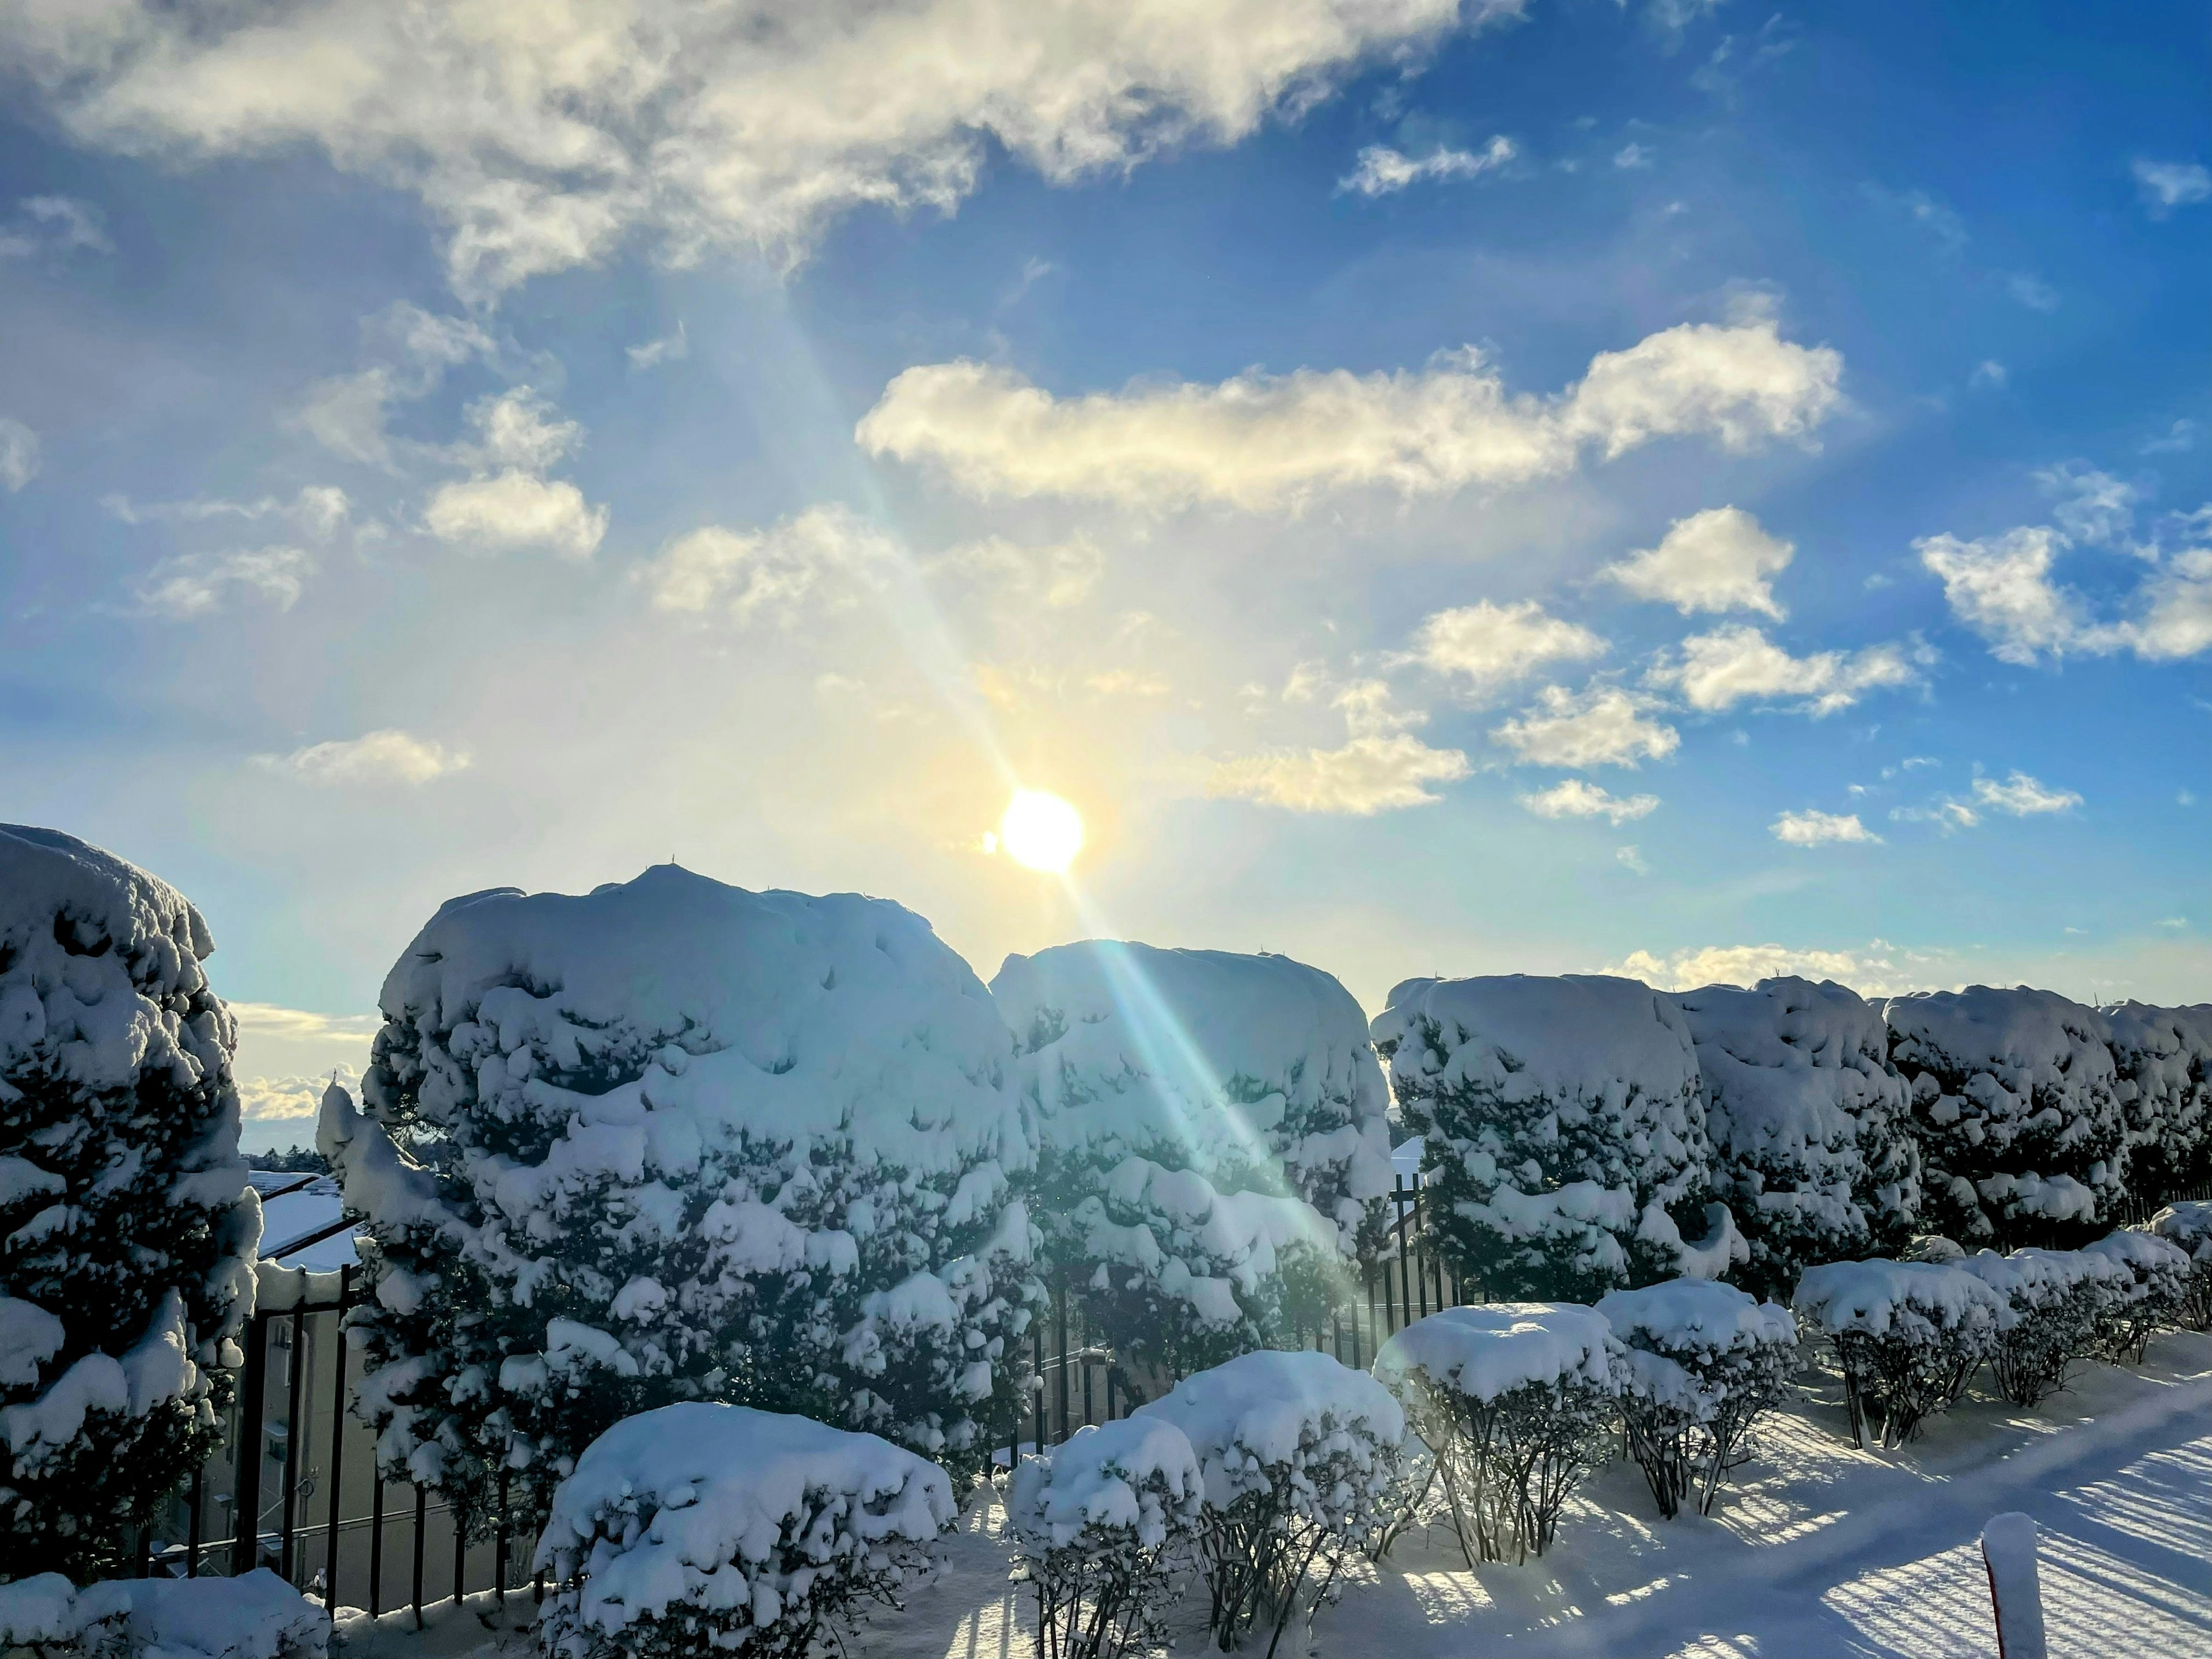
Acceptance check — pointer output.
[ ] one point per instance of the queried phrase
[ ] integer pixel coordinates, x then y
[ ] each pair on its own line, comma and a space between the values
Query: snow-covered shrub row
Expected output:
1213, 1139
2188, 1227
675, 1141
1908, 1335
1703, 1363
256, 1615
1564, 1125
1515, 1401
127, 1230
2021, 1137
1102, 1524
2052, 1300
2144, 1297
1811, 1149
700, 1529
2162, 1058
1300, 1458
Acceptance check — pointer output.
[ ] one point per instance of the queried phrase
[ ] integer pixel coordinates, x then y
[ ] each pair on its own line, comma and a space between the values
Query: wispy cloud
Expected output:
1573, 798
1816, 829
2166, 185
1601, 725
1382, 171
388, 755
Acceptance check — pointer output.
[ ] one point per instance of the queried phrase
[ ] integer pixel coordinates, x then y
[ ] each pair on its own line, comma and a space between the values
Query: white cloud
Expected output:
1382, 170
1602, 727
1632, 157
1367, 776
1261, 441
1988, 372
19, 457
1490, 646
54, 225
1736, 664
2001, 587
319, 509
194, 584
542, 136
1057, 575
2032, 291
293, 1100
2180, 437
276, 1043
1574, 798
1745, 964
1814, 828
2166, 185
1716, 560
513, 510
2093, 506
668, 349
826, 555
410, 350
382, 756
517, 429
1632, 858
2175, 609
2021, 796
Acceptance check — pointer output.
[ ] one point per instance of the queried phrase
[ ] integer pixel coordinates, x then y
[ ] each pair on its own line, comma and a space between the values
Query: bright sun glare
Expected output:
1041, 831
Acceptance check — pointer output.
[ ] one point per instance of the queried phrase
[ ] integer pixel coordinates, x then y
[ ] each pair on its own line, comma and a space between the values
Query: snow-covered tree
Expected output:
2187, 1226
2021, 1138
2147, 1293
2162, 1058
1908, 1335
1213, 1144
1563, 1130
127, 1230
1515, 1401
699, 1530
1812, 1152
2053, 1300
674, 1140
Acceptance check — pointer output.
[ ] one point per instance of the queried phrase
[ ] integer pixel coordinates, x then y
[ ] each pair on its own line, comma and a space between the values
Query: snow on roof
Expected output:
1489, 1350
1527, 1035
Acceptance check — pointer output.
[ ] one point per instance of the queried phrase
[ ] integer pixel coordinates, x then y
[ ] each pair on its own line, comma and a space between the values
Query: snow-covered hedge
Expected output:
1213, 1139
2021, 1137
675, 1141
1704, 1362
1300, 1458
1564, 1127
255, 1616
127, 1230
2162, 1059
1908, 1335
1102, 1524
701, 1528
2188, 1227
1812, 1152
2052, 1299
1515, 1401
2147, 1300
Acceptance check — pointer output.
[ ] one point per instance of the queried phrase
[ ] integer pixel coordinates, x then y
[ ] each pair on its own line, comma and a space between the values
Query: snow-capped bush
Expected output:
256, 1615
2149, 1300
1213, 1140
2162, 1060
1300, 1457
1515, 1401
700, 1529
1704, 1362
2022, 1140
127, 1230
1564, 1127
2053, 1299
1101, 1524
2188, 1227
1811, 1149
675, 1141
1908, 1335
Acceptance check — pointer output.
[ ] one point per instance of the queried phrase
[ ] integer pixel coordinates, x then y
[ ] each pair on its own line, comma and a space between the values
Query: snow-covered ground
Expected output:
1816, 1549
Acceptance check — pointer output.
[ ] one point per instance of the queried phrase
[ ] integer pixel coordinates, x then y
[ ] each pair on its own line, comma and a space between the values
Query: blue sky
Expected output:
1693, 489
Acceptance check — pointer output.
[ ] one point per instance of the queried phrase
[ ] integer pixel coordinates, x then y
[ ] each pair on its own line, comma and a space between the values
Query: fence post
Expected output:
375, 1534
245, 1490
294, 1392
1060, 1330
192, 1526
337, 1434
421, 1514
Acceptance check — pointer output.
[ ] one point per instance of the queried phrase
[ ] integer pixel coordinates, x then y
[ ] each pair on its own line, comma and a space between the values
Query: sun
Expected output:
1040, 831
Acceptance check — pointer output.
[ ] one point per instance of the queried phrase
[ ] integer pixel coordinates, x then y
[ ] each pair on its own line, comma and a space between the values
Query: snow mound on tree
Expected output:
1885, 1298
1485, 1350
256, 1615
130, 1232
1261, 1412
2014, 1100
1138, 1473
1695, 1315
1563, 1119
751, 1519
2188, 1223
2162, 1059
1812, 1151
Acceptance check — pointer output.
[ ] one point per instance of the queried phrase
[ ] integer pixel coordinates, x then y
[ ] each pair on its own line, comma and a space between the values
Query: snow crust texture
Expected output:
1811, 1147
698, 1526
1565, 1128
672, 1140
255, 1616
2015, 1100
1213, 1137
127, 1230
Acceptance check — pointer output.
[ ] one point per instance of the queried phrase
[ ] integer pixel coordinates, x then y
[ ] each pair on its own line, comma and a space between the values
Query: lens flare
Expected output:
1041, 831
